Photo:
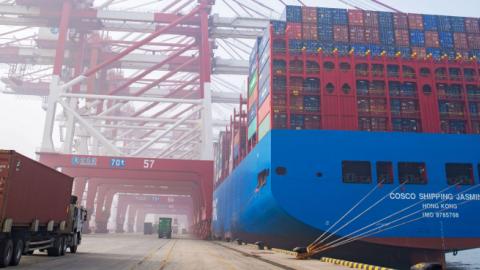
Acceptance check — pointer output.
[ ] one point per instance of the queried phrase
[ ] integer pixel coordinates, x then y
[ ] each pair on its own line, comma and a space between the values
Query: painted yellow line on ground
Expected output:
354, 265
167, 258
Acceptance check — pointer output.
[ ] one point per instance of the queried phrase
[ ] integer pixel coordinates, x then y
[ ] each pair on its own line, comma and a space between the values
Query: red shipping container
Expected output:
31, 190
309, 15
415, 21
310, 31
370, 19
421, 52
474, 41
472, 25
340, 33
294, 30
431, 39
400, 21
355, 17
279, 103
402, 37
357, 34
264, 109
460, 40
372, 36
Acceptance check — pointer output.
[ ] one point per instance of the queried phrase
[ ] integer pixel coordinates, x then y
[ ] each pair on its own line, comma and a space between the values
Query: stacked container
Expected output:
336, 69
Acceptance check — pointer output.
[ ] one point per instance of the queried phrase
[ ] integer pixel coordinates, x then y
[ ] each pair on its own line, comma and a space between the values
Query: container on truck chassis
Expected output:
37, 210
164, 227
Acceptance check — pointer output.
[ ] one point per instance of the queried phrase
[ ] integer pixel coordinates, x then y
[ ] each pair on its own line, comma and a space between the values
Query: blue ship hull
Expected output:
294, 208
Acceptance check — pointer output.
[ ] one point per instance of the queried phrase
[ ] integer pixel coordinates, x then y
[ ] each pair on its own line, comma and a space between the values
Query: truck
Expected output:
165, 227
37, 210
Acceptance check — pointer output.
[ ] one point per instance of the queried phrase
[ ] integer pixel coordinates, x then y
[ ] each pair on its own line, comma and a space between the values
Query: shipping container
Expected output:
340, 33
402, 37
357, 34
38, 211
309, 15
472, 25
372, 35
430, 23
292, 14
370, 19
400, 21
431, 39
294, 30
415, 21
356, 17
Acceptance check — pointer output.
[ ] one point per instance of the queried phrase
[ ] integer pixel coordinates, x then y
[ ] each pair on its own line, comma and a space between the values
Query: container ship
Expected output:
360, 132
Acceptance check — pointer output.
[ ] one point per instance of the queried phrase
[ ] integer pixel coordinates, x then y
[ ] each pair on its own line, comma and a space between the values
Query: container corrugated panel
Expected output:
297, 121
472, 25
402, 37
474, 41
340, 16
458, 24
264, 127
406, 52
417, 38
372, 35
293, 14
265, 42
385, 20
446, 40
278, 27
430, 22
419, 52
264, 77
311, 46
370, 19
279, 121
342, 48
252, 128
295, 45
355, 17
31, 190
387, 36
444, 23
310, 31
431, 39
309, 15
252, 113
325, 33
340, 33
252, 85
324, 16
294, 30
263, 93
264, 59
400, 21
415, 21
265, 109
460, 40
436, 53
357, 34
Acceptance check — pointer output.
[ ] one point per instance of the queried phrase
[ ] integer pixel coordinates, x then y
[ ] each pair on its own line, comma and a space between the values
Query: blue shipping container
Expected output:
340, 16
311, 46
264, 91
430, 22
324, 16
405, 51
252, 113
279, 27
385, 20
457, 24
342, 48
292, 14
295, 45
391, 51
325, 33
446, 39
387, 36
444, 23
417, 38
360, 49
375, 50
435, 52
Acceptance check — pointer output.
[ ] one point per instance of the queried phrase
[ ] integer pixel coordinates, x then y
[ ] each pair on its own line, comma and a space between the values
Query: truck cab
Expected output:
165, 228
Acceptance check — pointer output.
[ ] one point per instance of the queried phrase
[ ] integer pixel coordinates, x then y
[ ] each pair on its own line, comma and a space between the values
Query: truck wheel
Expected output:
6, 253
17, 252
56, 250
73, 249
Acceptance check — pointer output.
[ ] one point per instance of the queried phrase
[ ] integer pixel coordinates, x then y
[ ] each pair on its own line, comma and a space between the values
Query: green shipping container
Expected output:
253, 84
264, 127
252, 128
